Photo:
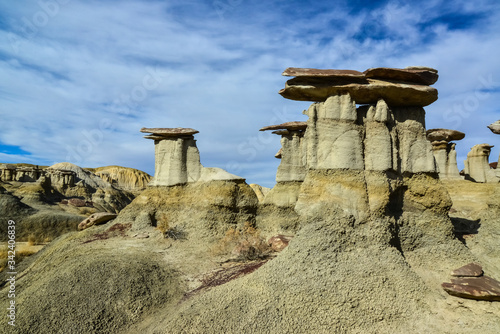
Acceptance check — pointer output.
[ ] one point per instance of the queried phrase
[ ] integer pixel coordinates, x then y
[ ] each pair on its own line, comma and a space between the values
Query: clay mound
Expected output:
77, 287
323, 283
124, 178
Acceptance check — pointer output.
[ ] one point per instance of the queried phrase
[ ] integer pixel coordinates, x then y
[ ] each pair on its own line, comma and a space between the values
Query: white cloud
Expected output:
79, 86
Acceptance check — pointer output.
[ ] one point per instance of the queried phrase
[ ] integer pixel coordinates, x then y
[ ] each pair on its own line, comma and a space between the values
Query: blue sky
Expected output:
78, 79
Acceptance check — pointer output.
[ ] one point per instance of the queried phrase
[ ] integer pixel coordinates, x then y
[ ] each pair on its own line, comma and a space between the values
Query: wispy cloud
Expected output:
78, 79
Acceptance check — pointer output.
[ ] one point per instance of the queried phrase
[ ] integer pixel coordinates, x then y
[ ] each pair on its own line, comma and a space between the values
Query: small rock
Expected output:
469, 270
96, 219
279, 242
141, 236
77, 202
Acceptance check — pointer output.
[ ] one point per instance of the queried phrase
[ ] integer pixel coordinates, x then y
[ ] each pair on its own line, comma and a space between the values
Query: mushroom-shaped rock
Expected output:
291, 126
168, 132
412, 74
444, 135
177, 159
96, 219
495, 127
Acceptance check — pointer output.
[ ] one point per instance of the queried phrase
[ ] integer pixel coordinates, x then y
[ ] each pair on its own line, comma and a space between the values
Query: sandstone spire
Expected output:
292, 152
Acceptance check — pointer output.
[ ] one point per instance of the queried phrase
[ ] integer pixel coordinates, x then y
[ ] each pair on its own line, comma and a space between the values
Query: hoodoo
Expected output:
444, 151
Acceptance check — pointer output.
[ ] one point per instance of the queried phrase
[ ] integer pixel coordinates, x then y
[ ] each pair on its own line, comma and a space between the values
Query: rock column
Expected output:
177, 159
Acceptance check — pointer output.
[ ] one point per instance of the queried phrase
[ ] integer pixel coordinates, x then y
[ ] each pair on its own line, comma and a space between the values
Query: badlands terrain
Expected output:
370, 228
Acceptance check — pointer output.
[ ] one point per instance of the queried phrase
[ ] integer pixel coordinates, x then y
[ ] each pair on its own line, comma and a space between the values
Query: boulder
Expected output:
479, 288
444, 134
96, 219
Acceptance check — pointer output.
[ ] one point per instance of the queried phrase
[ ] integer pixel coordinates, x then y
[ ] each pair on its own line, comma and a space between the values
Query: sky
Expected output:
79, 79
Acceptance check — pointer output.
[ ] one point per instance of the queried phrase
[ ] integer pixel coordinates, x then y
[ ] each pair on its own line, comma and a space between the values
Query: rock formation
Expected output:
124, 178
444, 151
292, 166
184, 196
398, 87
495, 127
477, 167
177, 159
